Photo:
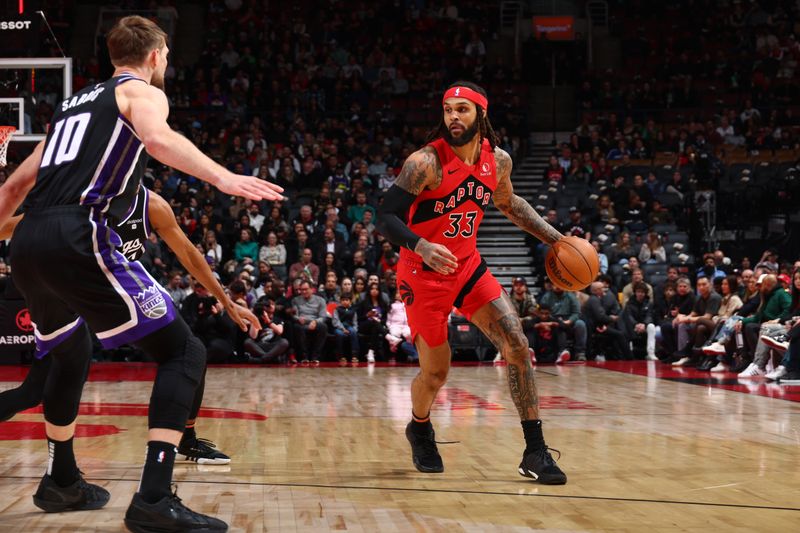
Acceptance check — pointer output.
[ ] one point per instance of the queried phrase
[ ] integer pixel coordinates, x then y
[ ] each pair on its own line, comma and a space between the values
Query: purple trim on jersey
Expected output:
116, 166
146, 216
129, 158
127, 76
120, 179
44, 347
130, 210
135, 205
136, 333
120, 161
146, 293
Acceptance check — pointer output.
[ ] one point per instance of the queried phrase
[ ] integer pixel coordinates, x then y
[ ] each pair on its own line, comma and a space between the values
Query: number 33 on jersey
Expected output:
451, 213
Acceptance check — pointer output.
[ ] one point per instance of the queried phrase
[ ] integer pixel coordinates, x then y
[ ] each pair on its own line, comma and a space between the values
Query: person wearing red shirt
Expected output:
433, 212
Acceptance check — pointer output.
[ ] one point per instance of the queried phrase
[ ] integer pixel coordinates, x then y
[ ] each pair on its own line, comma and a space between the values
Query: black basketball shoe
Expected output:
540, 466
80, 496
424, 452
167, 515
200, 451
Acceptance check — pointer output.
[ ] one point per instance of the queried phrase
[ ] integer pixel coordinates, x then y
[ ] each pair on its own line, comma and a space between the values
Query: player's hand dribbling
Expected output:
436, 256
250, 187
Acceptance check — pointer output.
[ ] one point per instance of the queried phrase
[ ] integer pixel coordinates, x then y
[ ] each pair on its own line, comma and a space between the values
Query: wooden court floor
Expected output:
322, 449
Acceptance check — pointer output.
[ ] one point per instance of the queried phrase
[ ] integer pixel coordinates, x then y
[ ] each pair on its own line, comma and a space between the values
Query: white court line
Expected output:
717, 486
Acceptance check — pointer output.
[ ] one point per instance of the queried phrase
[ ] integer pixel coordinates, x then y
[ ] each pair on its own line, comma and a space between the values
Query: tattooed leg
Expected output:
523, 390
500, 323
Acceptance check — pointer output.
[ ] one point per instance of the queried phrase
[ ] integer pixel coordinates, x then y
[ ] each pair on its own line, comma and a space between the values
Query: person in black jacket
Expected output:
658, 290
637, 320
267, 345
372, 311
665, 302
601, 315
205, 316
683, 305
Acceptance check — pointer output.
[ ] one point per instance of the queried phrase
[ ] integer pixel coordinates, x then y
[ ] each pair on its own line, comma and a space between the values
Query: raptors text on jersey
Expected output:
451, 214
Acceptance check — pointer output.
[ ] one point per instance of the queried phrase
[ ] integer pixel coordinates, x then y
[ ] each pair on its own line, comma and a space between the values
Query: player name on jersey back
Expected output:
82, 99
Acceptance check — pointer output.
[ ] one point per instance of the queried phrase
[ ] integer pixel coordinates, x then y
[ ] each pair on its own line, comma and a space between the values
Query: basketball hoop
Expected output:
5, 138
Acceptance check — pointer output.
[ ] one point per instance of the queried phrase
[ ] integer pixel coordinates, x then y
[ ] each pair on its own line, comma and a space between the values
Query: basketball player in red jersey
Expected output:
433, 212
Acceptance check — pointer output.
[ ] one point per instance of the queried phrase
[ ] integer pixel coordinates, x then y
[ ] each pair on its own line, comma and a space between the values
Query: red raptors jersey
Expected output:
451, 213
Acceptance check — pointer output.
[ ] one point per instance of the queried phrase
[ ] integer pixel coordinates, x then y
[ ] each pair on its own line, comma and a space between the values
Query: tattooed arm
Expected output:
421, 170
515, 208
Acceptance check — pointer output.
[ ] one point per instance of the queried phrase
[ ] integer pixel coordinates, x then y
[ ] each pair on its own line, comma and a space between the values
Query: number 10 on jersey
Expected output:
66, 139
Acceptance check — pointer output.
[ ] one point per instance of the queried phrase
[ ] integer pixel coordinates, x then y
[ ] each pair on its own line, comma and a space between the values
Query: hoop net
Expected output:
5, 138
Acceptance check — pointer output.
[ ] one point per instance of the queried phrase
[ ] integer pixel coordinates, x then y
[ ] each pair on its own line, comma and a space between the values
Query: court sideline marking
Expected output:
448, 491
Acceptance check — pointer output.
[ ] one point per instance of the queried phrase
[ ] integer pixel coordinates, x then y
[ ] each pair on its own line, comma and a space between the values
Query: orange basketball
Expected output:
572, 263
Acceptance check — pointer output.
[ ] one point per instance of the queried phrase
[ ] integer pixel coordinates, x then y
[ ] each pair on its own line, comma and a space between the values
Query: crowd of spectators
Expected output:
742, 322
326, 99
630, 189
724, 75
319, 276
329, 106
722, 53
327, 102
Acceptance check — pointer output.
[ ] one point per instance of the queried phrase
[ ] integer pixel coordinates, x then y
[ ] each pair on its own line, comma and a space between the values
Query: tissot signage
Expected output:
19, 28
15, 24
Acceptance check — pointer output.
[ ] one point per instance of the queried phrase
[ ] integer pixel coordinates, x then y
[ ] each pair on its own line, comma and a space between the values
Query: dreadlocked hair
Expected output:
485, 129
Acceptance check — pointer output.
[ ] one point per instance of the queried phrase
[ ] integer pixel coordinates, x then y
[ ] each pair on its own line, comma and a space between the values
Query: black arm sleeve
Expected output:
391, 216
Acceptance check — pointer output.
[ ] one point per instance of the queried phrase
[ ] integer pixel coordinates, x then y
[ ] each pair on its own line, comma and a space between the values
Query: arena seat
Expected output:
665, 158
674, 258
676, 236
669, 199
651, 269
661, 229
656, 280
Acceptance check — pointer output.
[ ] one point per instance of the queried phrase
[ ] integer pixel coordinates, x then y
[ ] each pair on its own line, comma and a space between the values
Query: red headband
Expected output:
465, 92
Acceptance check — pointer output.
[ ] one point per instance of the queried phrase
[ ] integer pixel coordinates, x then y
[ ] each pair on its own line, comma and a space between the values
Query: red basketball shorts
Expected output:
430, 297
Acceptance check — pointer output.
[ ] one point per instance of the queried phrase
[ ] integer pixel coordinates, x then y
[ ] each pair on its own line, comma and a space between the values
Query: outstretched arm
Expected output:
420, 170
515, 208
148, 109
17, 186
164, 223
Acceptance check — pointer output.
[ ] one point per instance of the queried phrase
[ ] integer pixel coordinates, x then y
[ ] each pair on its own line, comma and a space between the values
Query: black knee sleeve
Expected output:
65, 379
181, 361
198, 396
